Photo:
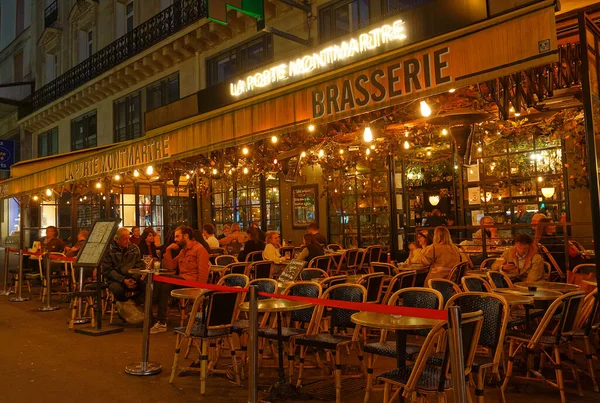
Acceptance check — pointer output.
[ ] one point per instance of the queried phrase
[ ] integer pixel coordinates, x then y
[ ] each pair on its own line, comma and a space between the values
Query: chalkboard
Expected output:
305, 206
292, 270
102, 233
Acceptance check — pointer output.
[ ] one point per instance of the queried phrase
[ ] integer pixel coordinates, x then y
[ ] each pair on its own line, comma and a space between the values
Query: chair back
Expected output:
333, 280
218, 311
556, 273
458, 271
309, 274
499, 280
217, 252
234, 280
334, 247
337, 262
304, 289
371, 254
287, 252
254, 256
237, 268
385, 268
233, 247
446, 287
585, 268
418, 297
340, 317
261, 269
374, 284
351, 258
567, 307
321, 262
475, 284
224, 260
487, 264
267, 285
495, 320
402, 280
589, 317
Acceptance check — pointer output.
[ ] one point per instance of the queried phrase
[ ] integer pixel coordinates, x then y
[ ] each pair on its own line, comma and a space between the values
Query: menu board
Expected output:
292, 270
305, 206
100, 236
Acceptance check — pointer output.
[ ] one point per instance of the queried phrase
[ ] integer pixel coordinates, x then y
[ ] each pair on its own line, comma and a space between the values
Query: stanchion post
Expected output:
5, 289
144, 367
459, 386
19, 297
48, 264
253, 345
80, 319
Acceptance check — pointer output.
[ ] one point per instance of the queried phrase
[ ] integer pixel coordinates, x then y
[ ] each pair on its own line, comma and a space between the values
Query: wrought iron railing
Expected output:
171, 20
51, 15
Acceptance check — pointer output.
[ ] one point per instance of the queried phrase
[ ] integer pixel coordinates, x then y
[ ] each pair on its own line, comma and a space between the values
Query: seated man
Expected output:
123, 256
522, 259
313, 229
487, 228
192, 264
81, 238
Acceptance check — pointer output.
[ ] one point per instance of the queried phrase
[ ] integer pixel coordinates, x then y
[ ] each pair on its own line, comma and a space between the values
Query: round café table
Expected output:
188, 293
399, 323
542, 296
548, 286
516, 299
278, 306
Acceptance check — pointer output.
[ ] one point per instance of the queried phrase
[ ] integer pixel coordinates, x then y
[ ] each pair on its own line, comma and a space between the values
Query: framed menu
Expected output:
292, 270
100, 236
305, 206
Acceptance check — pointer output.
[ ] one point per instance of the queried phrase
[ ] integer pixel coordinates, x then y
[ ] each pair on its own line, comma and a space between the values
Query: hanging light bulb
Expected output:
368, 135
48, 192
245, 170
35, 198
406, 145
444, 131
214, 171
98, 185
451, 90
429, 153
149, 170
321, 153
274, 139
303, 154
136, 173
425, 109
187, 176
275, 161
117, 177
341, 151
368, 151
479, 149
311, 128
540, 179
406, 133
245, 151
434, 200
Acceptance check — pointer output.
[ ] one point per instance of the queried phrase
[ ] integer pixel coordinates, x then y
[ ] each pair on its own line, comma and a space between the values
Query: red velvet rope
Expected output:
196, 284
52, 255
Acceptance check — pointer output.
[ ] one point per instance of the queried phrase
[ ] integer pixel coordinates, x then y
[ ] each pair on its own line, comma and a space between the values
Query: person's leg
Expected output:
118, 291
139, 291
163, 292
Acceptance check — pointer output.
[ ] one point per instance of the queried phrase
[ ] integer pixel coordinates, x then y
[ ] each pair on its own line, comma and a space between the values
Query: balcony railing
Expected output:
171, 20
51, 15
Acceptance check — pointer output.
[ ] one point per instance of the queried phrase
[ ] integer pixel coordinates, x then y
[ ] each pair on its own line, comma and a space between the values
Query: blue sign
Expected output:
7, 154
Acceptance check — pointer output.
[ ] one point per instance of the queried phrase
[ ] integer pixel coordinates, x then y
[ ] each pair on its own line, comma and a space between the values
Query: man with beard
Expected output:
192, 264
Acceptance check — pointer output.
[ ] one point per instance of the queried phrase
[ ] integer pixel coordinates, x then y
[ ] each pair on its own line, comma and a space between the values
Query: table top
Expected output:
392, 322
188, 293
276, 305
516, 299
550, 286
216, 267
416, 267
539, 295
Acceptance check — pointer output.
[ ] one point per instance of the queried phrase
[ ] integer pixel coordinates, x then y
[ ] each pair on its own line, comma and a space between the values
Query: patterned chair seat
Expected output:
533, 313
479, 361
429, 378
388, 349
514, 322
526, 335
198, 331
240, 326
286, 333
26, 270
322, 340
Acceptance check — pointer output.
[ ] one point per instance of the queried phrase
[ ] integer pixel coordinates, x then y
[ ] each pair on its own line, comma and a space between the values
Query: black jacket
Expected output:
250, 246
118, 261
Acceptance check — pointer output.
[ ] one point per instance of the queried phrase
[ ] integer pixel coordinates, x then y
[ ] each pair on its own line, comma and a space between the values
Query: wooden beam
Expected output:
237, 25
144, 71
193, 40
149, 63
180, 47
222, 31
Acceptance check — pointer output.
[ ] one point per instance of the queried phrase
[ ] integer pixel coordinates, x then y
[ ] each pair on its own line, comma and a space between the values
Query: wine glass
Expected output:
147, 260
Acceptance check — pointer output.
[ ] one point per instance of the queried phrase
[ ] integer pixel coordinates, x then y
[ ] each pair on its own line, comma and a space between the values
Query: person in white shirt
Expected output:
271, 251
208, 231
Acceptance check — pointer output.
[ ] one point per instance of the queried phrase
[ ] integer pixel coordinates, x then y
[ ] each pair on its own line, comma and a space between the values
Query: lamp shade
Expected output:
548, 192
434, 200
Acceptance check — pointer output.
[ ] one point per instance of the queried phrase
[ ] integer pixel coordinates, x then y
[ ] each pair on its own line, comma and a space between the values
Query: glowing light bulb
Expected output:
444, 132
187, 176
245, 170
321, 153
406, 145
214, 171
540, 179
368, 135
406, 133
149, 170
455, 166
48, 192
372, 146
136, 173
451, 90
98, 185
303, 154
368, 151
117, 177
479, 149
311, 128
429, 153
341, 151
274, 139
275, 161
35, 198
245, 151
425, 109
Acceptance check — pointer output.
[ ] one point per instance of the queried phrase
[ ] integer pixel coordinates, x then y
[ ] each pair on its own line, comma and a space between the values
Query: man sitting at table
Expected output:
81, 238
313, 229
522, 260
192, 264
51, 242
122, 257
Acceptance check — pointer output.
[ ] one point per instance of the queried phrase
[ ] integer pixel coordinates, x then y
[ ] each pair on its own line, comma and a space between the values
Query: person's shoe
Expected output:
158, 327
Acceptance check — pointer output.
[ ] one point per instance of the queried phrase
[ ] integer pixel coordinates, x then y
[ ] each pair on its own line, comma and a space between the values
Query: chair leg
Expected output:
370, 360
499, 390
574, 368
338, 376
386, 392
479, 386
559, 375
175, 359
442, 397
509, 367
203, 363
589, 351
301, 367
234, 359
291, 356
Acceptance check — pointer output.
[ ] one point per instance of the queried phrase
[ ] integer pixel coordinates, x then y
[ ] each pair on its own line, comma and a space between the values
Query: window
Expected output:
51, 67
20, 17
48, 143
83, 132
127, 117
244, 57
85, 42
90, 43
165, 4
129, 15
162, 92
18, 67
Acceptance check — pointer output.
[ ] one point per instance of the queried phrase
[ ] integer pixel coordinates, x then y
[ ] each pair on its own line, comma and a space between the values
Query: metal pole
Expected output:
5, 290
48, 307
144, 367
79, 319
19, 297
253, 346
459, 384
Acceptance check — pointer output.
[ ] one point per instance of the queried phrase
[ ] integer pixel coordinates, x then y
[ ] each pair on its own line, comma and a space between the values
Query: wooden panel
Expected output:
174, 112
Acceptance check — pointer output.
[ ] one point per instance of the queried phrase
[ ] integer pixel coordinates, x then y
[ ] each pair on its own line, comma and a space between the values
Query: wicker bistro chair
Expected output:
309, 274
236, 268
475, 284
414, 297
335, 340
254, 256
487, 264
338, 263
260, 269
400, 281
217, 310
495, 321
224, 260
458, 271
371, 254
374, 284
588, 324
547, 340
446, 287
352, 264
300, 322
497, 279
287, 252
385, 268
424, 378
556, 273
333, 280
321, 262
334, 247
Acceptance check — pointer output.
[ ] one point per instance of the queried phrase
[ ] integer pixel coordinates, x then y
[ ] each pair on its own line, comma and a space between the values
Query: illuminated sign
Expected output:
217, 9
345, 50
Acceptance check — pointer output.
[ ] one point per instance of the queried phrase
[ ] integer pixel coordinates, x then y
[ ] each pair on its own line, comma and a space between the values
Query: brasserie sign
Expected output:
119, 160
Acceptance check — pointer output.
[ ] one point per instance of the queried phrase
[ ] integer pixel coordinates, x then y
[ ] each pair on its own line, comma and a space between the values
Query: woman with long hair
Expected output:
271, 251
147, 245
417, 248
254, 244
312, 248
442, 255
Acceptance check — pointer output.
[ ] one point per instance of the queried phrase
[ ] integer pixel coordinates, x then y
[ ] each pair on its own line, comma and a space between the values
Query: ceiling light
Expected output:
303, 154
275, 161
274, 139
311, 128
444, 132
406, 145
245, 170
245, 151
35, 198
321, 153
214, 171
540, 179
117, 177
368, 135
434, 200
425, 109
149, 170
136, 173
451, 90
48, 192
548, 192
98, 185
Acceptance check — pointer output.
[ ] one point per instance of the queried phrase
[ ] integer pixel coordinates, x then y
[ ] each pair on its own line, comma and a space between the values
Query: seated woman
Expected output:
235, 235
417, 248
441, 256
271, 251
147, 244
74, 250
312, 248
254, 244
522, 260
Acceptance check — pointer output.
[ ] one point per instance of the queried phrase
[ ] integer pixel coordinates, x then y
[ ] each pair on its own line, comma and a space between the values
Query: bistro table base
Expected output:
92, 331
49, 308
81, 321
21, 299
284, 392
152, 368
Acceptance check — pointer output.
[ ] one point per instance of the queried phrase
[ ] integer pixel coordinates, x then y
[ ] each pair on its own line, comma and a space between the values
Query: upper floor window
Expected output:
20, 17
84, 132
234, 61
50, 67
85, 45
18, 67
165, 4
129, 15
127, 119
48, 143
162, 92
